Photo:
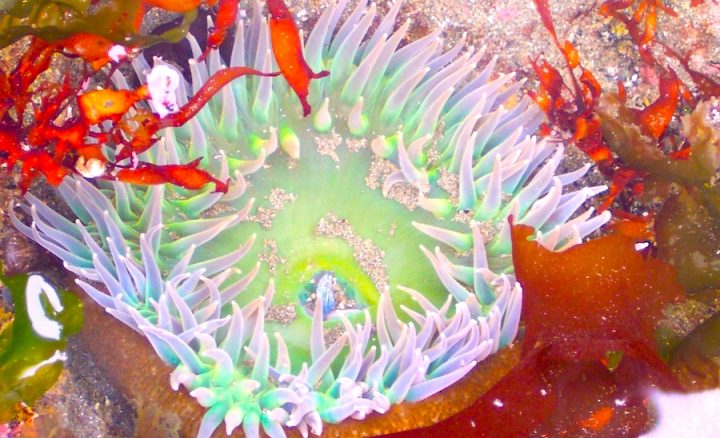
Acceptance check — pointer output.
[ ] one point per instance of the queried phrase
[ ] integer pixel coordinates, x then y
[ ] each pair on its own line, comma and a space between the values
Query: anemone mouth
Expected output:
324, 216
361, 256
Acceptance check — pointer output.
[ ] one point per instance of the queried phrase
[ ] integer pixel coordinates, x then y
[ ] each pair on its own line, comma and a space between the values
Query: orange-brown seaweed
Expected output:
571, 107
287, 49
641, 24
174, 5
656, 117
93, 49
187, 176
218, 80
225, 19
602, 289
584, 309
106, 104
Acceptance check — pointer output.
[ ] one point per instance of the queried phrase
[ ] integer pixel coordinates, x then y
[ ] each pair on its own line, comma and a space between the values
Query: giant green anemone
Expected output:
361, 257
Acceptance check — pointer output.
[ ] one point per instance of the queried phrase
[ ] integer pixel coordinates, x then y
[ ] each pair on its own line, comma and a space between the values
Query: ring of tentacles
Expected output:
361, 257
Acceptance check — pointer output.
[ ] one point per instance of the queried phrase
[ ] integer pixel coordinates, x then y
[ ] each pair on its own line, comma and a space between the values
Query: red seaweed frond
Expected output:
187, 176
655, 118
571, 108
642, 27
59, 141
571, 105
287, 49
641, 23
224, 20
707, 86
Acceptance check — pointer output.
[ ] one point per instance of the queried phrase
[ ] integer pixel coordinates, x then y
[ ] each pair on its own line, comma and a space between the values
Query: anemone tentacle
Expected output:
412, 154
181, 317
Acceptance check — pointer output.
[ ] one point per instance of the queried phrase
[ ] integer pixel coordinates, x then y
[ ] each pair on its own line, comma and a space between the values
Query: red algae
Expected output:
287, 49
100, 105
655, 118
573, 108
218, 80
61, 143
93, 49
225, 19
174, 5
187, 176
641, 23
642, 26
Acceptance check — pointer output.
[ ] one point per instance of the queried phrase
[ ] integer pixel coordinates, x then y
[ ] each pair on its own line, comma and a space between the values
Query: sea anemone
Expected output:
336, 313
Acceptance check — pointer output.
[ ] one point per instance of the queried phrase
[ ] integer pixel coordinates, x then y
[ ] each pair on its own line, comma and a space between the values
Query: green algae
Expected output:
54, 20
687, 226
698, 354
687, 236
29, 363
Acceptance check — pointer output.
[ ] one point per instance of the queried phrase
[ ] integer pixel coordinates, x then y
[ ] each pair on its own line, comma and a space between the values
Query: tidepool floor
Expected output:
86, 403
